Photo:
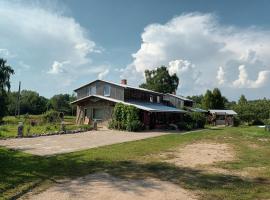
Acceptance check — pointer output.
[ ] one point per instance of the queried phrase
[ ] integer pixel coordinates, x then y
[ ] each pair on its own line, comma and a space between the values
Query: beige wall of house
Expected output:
98, 87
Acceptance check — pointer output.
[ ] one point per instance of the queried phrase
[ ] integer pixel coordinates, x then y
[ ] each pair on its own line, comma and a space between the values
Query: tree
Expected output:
30, 102
218, 101
253, 111
197, 99
242, 100
5, 73
61, 103
207, 102
160, 80
214, 100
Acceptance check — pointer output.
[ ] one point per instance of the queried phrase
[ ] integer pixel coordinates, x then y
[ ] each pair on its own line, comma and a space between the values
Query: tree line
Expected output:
252, 112
30, 101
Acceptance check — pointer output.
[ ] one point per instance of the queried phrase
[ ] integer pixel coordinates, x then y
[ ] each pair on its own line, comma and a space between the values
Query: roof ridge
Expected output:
118, 84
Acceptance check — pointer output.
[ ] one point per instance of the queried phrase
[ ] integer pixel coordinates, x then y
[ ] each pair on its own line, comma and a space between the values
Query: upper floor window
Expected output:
107, 90
158, 99
92, 90
151, 99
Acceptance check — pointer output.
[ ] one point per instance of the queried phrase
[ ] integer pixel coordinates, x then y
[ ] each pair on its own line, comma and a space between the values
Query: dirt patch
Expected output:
253, 146
196, 154
103, 186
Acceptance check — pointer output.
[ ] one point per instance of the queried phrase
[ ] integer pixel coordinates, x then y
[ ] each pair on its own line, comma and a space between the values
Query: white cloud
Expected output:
221, 75
43, 38
58, 67
244, 82
103, 74
187, 73
201, 40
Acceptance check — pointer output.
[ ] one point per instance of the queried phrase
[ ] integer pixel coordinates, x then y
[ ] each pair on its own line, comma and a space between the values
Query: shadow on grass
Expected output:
21, 172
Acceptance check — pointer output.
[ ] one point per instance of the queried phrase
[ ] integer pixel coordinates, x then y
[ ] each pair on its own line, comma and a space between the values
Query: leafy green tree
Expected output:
207, 102
12, 102
242, 100
160, 80
214, 100
252, 112
218, 101
32, 103
197, 99
61, 103
5, 73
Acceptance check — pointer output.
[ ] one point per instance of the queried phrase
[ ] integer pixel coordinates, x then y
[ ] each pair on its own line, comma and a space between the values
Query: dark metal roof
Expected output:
179, 97
147, 106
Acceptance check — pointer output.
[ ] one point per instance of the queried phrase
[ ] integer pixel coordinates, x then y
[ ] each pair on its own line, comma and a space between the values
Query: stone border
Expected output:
54, 133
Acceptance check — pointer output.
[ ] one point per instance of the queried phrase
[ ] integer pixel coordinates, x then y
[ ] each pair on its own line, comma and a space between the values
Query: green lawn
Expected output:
20, 172
9, 127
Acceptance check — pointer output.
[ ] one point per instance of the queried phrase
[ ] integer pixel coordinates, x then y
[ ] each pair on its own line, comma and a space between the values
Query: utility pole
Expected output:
17, 111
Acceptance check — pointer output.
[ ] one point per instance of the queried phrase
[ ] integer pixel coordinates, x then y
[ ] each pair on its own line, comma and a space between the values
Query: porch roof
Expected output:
223, 112
197, 110
147, 106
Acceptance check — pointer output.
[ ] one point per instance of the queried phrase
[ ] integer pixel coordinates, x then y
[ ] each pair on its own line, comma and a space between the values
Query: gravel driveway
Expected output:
56, 144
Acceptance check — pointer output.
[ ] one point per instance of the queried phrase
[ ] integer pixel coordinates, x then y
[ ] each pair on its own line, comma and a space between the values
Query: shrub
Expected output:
86, 127
182, 125
236, 121
33, 122
256, 122
125, 117
135, 125
189, 127
266, 121
48, 128
192, 120
26, 117
199, 119
51, 116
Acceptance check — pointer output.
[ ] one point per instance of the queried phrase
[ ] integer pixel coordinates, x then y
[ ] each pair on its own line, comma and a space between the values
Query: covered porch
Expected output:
152, 115
160, 120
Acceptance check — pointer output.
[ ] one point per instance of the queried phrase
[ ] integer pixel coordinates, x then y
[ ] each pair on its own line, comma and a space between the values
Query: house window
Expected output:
98, 113
92, 90
151, 99
107, 90
158, 99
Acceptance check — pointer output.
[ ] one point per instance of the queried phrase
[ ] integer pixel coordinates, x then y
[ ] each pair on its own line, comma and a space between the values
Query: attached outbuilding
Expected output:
222, 117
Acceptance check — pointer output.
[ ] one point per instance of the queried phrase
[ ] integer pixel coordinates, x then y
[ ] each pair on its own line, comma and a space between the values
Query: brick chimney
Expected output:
124, 81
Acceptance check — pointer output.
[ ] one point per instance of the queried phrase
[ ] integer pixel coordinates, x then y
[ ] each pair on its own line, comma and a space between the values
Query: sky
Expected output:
57, 46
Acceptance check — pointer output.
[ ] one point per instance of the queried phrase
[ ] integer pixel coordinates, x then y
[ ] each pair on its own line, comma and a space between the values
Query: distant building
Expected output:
96, 100
222, 117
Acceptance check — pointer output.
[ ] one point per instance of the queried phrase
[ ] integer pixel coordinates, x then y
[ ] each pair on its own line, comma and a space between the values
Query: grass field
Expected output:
20, 172
10, 124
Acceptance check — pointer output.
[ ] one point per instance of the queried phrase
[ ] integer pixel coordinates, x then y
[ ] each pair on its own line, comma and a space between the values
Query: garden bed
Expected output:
34, 127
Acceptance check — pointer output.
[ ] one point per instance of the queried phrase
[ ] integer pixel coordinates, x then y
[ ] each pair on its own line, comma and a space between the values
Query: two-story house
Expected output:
96, 100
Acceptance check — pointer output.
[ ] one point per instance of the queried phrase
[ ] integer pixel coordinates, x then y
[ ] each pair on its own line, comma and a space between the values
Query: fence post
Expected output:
20, 129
